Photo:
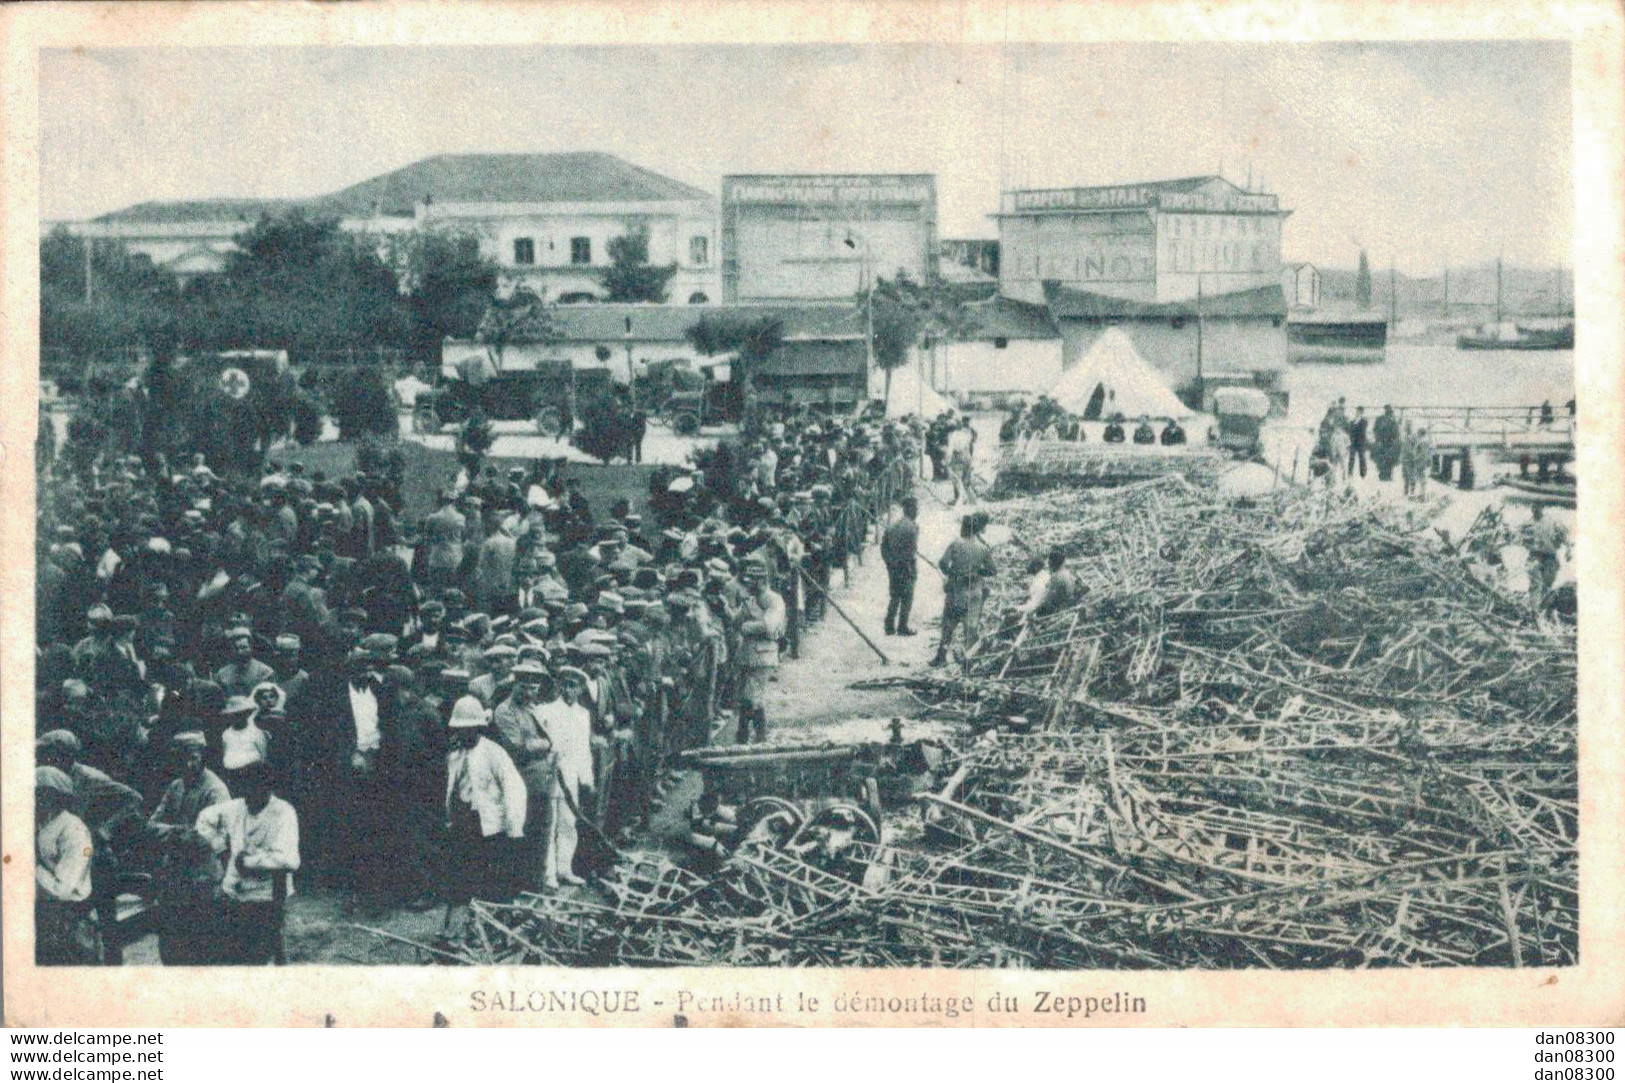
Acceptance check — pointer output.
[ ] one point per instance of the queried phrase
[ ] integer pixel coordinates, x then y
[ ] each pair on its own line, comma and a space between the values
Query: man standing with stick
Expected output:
762, 624
964, 565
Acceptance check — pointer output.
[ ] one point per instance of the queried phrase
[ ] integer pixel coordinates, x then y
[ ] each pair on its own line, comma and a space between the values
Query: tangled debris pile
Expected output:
1295, 732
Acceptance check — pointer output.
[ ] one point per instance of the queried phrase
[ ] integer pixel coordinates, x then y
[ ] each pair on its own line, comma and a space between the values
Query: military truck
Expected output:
545, 392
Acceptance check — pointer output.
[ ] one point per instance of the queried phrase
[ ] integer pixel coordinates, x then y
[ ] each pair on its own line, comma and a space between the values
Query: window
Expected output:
580, 250
698, 298
524, 250
699, 250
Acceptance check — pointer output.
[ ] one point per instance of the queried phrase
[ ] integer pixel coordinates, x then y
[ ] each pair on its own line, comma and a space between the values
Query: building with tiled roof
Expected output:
546, 219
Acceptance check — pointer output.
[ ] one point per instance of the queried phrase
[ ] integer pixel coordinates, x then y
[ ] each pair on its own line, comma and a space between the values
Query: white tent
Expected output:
1131, 386
910, 395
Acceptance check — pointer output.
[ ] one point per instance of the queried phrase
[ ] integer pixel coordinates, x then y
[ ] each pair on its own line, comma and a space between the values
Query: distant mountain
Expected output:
1525, 292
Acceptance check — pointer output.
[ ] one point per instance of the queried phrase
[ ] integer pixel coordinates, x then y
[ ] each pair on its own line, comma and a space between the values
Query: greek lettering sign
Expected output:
1216, 199
807, 190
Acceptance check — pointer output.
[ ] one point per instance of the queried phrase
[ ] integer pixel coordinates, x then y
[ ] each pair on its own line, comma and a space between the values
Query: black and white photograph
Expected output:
1023, 505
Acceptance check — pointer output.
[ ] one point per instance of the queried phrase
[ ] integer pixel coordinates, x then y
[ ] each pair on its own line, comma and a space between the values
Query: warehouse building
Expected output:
1189, 269
1155, 242
823, 237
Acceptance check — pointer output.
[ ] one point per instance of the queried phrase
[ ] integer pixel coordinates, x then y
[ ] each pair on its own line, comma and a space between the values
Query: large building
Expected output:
546, 219
1190, 270
1157, 241
821, 237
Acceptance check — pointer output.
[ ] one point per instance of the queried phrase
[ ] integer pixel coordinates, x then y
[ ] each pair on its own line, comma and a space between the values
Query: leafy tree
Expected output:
301, 285
448, 284
130, 302
751, 342
629, 276
1362, 282
906, 314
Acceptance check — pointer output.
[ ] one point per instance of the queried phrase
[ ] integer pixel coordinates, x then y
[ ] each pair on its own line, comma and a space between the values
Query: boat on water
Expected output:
1509, 336
1503, 335
1336, 340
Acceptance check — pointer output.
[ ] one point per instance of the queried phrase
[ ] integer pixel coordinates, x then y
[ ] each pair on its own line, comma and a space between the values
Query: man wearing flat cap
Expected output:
244, 672
65, 932
568, 725
761, 626
89, 652
496, 682
518, 725
193, 788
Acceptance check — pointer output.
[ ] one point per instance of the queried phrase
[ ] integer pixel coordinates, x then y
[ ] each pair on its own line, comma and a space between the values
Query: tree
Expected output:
629, 276
448, 284
752, 342
907, 314
301, 285
119, 302
1362, 282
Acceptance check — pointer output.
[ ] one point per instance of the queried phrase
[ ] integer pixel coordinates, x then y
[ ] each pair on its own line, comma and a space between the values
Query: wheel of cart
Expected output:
550, 421
685, 423
841, 817
425, 419
769, 819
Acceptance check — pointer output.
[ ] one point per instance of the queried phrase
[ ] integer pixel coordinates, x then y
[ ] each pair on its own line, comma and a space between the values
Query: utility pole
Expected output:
1201, 386
631, 376
1393, 295
1447, 291
90, 292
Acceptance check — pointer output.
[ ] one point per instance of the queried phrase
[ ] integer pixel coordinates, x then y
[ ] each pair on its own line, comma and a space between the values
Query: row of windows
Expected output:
1208, 225
524, 251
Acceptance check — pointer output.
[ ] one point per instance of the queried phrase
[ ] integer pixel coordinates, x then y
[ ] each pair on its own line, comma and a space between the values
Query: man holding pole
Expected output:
762, 623
899, 549
964, 565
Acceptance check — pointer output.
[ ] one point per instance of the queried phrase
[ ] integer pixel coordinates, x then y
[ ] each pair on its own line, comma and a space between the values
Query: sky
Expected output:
1422, 153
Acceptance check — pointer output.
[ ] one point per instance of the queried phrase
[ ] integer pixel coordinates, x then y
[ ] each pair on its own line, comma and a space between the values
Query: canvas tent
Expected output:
909, 394
1114, 376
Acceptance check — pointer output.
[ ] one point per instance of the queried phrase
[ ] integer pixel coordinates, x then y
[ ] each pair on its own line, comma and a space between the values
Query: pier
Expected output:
1516, 434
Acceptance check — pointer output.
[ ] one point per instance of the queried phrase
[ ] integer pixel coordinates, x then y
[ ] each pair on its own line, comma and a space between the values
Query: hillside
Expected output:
1525, 292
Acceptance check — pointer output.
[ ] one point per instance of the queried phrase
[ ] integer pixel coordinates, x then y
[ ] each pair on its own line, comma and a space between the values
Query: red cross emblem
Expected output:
234, 382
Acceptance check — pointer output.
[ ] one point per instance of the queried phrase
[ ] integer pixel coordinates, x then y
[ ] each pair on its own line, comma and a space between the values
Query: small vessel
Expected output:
1333, 340
1508, 336
1504, 335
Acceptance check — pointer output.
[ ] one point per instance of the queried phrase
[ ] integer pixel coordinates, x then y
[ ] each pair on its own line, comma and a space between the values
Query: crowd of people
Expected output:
1046, 419
251, 684
1345, 444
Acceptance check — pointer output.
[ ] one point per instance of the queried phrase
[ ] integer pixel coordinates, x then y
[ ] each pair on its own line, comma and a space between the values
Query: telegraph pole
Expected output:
90, 293
1201, 385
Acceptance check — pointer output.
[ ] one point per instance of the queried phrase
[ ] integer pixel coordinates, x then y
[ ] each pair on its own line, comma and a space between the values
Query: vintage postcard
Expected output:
928, 514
